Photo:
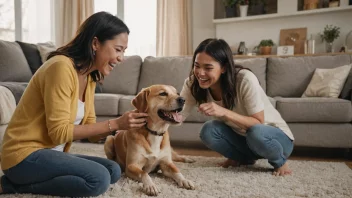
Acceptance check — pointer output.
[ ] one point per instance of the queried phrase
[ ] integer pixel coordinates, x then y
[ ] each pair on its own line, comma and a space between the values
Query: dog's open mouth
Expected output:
171, 116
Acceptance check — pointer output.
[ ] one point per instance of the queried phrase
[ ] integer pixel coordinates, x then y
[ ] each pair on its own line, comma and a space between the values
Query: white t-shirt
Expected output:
250, 99
79, 117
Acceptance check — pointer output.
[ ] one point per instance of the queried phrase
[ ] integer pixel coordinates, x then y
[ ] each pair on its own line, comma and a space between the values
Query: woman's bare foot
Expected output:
233, 163
282, 171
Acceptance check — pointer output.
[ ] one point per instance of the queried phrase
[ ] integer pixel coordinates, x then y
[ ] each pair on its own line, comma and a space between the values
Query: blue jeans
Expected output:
50, 172
261, 141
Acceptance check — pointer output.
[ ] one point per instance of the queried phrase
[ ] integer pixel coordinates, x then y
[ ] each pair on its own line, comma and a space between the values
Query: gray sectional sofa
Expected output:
315, 122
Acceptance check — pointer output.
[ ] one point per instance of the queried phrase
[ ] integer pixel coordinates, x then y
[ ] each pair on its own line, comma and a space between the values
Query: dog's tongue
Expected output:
177, 117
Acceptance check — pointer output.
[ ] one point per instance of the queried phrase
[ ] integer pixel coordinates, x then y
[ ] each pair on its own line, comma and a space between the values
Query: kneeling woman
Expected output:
246, 126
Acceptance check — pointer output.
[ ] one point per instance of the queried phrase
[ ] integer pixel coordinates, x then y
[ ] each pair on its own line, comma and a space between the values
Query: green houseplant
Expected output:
265, 46
329, 34
230, 7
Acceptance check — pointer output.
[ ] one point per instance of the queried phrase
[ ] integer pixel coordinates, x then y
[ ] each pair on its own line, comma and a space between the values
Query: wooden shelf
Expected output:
272, 16
284, 56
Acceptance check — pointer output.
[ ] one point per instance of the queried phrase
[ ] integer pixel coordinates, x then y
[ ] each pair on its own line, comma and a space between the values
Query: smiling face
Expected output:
109, 53
207, 71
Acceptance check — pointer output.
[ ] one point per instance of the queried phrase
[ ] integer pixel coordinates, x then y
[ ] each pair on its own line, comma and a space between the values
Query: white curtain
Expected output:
173, 28
69, 15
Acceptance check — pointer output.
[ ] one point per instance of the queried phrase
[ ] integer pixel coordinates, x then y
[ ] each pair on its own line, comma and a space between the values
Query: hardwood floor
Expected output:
309, 154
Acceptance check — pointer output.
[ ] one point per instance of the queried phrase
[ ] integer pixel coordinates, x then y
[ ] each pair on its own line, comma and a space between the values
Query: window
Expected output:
7, 20
35, 24
140, 17
36, 21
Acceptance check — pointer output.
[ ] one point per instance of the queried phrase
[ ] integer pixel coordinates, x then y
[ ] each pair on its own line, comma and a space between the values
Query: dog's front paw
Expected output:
189, 160
186, 184
151, 190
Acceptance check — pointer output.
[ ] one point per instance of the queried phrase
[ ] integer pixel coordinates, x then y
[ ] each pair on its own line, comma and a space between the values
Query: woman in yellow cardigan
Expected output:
57, 108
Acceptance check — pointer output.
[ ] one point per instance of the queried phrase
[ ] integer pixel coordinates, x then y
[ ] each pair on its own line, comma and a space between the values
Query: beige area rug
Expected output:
310, 179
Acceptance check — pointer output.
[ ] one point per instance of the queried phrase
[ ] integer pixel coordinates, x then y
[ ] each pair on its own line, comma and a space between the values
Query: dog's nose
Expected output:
181, 100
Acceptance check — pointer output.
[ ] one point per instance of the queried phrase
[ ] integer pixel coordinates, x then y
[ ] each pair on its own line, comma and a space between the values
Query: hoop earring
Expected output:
93, 53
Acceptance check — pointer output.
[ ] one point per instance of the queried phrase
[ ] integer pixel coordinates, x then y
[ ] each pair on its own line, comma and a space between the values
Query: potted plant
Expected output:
265, 46
329, 34
230, 8
243, 7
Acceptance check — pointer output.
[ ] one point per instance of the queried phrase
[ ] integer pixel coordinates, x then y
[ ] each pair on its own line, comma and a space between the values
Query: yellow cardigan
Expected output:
45, 115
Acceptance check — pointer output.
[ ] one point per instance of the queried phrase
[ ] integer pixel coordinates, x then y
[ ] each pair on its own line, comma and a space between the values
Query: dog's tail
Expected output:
109, 147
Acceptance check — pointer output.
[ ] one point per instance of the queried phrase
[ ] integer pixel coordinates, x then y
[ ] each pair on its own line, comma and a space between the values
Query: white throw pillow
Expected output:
44, 49
327, 82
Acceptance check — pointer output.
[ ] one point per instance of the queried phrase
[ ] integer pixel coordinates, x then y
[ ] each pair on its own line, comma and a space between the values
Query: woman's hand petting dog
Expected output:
131, 120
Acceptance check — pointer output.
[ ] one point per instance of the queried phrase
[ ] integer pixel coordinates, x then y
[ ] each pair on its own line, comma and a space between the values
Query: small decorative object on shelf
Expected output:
241, 48
329, 34
230, 8
309, 46
310, 4
344, 3
243, 7
333, 3
265, 46
285, 50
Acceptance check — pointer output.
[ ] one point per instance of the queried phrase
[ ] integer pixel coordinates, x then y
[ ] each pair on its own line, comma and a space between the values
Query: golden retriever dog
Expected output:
147, 149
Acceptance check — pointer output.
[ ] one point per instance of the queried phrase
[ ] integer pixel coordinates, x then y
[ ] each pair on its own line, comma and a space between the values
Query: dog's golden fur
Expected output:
140, 152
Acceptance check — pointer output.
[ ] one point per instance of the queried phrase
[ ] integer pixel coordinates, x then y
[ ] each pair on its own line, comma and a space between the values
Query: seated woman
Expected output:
57, 108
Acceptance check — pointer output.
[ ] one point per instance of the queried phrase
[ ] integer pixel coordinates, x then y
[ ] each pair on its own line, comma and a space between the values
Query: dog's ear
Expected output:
140, 101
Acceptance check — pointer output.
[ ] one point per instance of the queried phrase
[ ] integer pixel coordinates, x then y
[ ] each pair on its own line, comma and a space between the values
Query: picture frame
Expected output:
285, 50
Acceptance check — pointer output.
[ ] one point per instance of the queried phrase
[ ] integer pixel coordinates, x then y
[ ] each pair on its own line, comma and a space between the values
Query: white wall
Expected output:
202, 21
252, 32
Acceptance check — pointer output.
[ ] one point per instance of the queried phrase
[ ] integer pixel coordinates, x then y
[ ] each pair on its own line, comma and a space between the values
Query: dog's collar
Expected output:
154, 132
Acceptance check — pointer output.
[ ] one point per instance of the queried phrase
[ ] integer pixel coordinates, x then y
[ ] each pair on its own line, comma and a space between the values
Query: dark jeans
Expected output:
56, 173
261, 141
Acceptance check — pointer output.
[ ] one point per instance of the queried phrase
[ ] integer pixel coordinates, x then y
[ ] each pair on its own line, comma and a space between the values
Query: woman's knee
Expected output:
255, 133
210, 130
115, 173
99, 182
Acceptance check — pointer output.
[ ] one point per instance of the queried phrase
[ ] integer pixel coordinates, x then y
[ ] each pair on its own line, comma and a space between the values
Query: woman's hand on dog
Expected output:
131, 120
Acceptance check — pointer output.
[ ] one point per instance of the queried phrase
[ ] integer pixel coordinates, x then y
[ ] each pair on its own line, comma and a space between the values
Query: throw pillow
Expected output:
45, 49
13, 63
347, 88
327, 82
32, 55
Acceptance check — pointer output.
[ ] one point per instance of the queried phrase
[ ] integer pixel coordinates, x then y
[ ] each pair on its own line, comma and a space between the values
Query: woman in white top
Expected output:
246, 127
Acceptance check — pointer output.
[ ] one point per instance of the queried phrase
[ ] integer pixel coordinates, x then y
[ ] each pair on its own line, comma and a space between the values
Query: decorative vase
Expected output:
230, 11
242, 48
329, 47
243, 10
265, 50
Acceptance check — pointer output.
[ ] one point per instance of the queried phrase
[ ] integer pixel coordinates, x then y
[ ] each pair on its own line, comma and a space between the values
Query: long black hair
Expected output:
102, 25
221, 52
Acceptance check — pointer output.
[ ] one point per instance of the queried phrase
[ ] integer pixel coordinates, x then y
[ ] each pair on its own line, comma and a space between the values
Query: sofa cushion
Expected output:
123, 79
327, 82
165, 70
45, 49
289, 77
314, 109
106, 104
32, 55
257, 66
347, 88
125, 104
13, 63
